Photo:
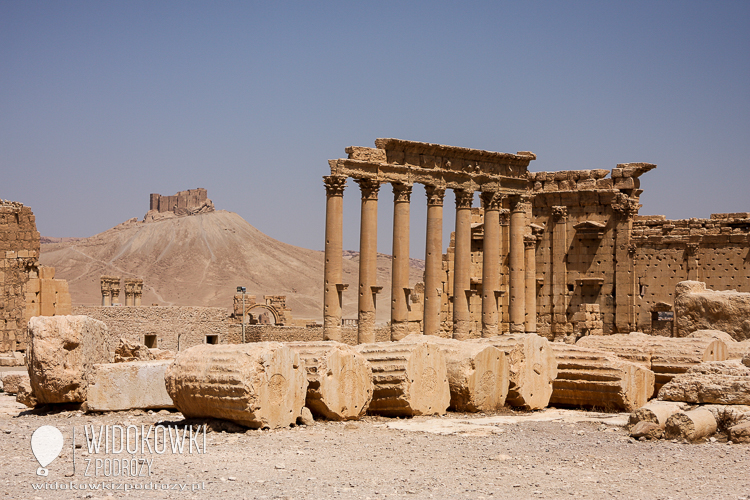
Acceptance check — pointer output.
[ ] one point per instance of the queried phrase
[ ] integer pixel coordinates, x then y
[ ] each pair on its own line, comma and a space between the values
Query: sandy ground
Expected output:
548, 454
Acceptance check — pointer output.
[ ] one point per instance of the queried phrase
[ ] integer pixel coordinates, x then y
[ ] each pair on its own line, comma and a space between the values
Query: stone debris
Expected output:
648, 430
127, 386
713, 334
532, 368
339, 379
718, 382
666, 357
13, 380
657, 412
12, 359
305, 417
409, 379
478, 374
129, 350
691, 425
739, 433
25, 395
258, 385
586, 377
738, 350
699, 308
746, 359
63, 352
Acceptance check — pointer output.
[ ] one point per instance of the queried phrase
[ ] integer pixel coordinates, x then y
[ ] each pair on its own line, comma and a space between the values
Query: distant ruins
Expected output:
190, 202
564, 254
26, 288
111, 291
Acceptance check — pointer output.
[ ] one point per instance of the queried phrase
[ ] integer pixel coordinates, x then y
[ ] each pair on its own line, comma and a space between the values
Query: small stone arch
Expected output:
274, 312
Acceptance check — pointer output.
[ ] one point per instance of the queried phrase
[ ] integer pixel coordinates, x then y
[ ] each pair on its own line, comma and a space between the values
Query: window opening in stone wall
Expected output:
150, 341
212, 339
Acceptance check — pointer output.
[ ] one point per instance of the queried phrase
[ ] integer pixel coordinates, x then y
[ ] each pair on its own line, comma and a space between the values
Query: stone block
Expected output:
13, 380
657, 412
127, 386
259, 385
409, 379
739, 433
478, 374
63, 350
25, 394
698, 308
691, 426
339, 379
717, 382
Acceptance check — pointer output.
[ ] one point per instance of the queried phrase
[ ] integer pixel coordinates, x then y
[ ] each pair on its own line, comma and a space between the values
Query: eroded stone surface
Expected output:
13, 380
719, 382
260, 385
63, 352
127, 386
339, 379
699, 308
649, 430
657, 412
586, 377
478, 374
409, 379
532, 368
691, 425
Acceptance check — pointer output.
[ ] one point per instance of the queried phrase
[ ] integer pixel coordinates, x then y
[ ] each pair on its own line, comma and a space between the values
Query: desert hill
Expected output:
200, 260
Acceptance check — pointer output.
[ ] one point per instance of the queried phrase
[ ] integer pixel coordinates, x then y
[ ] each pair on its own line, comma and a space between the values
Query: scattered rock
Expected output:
740, 433
719, 382
25, 395
306, 417
648, 430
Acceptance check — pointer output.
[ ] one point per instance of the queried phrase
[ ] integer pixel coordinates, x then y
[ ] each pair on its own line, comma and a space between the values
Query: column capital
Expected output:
464, 198
625, 207
369, 188
529, 241
519, 202
435, 195
401, 192
559, 213
491, 200
504, 216
691, 249
335, 185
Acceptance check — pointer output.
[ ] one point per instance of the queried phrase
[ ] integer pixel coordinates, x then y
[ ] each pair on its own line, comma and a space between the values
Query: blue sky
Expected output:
102, 103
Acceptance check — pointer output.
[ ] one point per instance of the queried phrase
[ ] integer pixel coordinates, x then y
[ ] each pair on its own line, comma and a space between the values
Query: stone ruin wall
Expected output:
181, 203
715, 251
19, 254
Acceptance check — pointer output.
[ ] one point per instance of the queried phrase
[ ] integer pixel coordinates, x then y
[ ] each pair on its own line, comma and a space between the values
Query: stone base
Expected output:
128, 386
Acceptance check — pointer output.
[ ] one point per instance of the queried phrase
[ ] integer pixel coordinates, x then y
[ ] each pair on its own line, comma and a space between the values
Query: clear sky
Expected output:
102, 103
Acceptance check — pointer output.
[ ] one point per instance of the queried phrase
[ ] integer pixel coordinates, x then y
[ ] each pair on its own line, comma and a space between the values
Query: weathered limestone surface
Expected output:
666, 357
478, 374
260, 385
339, 379
409, 379
125, 386
738, 350
712, 334
63, 352
740, 433
649, 430
698, 308
532, 368
586, 377
657, 412
13, 380
719, 382
129, 350
25, 395
692, 425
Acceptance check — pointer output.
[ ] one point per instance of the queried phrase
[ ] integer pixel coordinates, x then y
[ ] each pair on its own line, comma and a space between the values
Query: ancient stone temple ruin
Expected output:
192, 201
564, 254
272, 311
26, 288
111, 291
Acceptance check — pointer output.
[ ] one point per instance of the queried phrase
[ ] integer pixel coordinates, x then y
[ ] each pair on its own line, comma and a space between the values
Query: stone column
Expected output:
462, 265
517, 275
334, 247
491, 201
529, 243
116, 292
129, 292
559, 288
433, 267
368, 254
691, 256
106, 291
400, 263
625, 209
138, 293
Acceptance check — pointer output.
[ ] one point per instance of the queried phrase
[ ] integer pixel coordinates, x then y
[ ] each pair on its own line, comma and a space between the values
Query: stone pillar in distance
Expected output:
368, 254
491, 201
400, 262
517, 275
433, 260
334, 247
462, 265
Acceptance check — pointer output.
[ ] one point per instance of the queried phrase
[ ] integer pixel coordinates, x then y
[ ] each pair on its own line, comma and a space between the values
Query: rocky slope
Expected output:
201, 259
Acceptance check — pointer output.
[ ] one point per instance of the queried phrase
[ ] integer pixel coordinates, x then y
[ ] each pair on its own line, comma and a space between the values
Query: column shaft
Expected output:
433, 260
517, 275
333, 271
400, 263
490, 263
530, 261
368, 242
462, 266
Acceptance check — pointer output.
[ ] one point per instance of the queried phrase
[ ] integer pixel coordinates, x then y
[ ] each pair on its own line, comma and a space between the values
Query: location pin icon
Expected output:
46, 444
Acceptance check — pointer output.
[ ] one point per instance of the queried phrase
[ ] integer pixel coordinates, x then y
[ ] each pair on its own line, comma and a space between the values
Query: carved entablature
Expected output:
435, 195
504, 217
334, 185
369, 188
401, 192
395, 160
625, 206
559, 213
590, 229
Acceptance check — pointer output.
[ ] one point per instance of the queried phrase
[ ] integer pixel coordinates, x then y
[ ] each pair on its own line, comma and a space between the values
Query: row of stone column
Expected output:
110, 288
522, 262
